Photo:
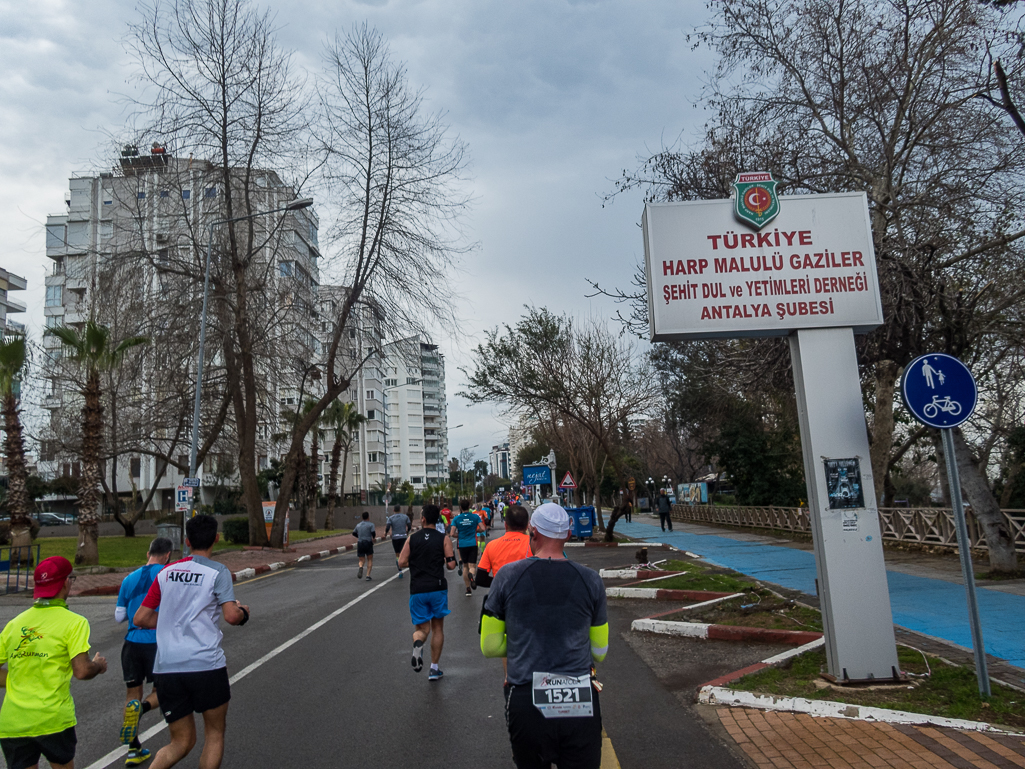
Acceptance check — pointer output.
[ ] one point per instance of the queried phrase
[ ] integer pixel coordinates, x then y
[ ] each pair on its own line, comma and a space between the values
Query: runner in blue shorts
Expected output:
428, 553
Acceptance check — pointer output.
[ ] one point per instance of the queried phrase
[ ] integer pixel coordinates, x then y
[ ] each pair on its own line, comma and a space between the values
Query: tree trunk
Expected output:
303, 492
598, 518
610, 527
1002, 558
314, 483
88, 553
18, 504
332, 484
882, 425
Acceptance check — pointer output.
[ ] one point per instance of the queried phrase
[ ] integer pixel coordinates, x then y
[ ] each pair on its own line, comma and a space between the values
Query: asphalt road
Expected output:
326, 682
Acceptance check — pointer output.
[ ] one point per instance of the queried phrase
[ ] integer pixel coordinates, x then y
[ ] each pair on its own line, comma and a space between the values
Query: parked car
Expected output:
52, 519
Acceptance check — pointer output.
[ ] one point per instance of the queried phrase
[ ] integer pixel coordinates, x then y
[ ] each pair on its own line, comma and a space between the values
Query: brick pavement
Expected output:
799, 741
237, 561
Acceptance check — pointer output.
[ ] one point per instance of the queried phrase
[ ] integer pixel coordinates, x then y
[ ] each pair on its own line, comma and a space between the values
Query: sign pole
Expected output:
964, 550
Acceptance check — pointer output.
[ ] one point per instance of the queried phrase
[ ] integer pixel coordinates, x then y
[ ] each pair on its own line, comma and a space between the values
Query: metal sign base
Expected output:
856, 615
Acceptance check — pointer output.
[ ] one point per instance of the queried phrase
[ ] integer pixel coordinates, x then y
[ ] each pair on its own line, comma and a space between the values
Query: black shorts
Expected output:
182, 694
23, 752
538, 742
364, 547
468, 554
398, 543
137, 662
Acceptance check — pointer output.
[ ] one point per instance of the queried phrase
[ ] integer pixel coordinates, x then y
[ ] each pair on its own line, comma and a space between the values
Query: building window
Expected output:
370, 395
106, 230
285, 269
55, 235
165, 194
411, 380
108, 202
53, 321
140, 195
186, 194
54, 296
136, 465
372, 456
211, 192
371, 414
417, 480
183, 461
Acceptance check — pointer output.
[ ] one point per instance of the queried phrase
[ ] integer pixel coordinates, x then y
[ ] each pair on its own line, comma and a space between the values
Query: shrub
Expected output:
236, 530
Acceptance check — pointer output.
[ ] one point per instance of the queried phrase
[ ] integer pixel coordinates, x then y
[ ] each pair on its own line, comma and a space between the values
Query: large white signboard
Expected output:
711, 276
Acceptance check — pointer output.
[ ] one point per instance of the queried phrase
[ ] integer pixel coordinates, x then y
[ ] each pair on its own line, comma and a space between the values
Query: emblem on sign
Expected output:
754, 198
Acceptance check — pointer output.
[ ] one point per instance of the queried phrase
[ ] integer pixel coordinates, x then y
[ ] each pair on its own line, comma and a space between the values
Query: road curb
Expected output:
727, 633
635, 573
244, 574
660, 594
717, 695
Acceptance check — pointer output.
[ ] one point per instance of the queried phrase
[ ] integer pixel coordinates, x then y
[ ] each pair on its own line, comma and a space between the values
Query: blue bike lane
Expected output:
931, 606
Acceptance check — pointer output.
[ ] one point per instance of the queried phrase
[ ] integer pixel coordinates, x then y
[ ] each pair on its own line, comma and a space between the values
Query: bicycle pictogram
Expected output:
945, 404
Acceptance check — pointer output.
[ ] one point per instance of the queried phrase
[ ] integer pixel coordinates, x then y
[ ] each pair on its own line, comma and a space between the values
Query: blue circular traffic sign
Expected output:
939, 390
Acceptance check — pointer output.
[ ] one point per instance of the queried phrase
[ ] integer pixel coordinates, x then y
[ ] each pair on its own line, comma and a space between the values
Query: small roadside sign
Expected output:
939, 390
182, 499
192, 483
568, 482
631, 484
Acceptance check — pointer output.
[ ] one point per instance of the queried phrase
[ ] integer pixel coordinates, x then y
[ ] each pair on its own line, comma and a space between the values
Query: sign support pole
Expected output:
856, 615
964, 550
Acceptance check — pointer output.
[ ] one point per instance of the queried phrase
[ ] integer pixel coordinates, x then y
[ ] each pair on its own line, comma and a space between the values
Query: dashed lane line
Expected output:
154, 730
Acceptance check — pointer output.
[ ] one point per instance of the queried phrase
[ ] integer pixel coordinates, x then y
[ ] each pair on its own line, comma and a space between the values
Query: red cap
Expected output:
50, 576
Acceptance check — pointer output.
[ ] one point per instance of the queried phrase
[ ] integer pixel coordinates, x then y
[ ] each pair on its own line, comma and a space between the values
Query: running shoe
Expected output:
136, 757
400, 574
368, 578
359, 574
459, 570
130, 724
418, 656
473, 581
468, 592
435, 674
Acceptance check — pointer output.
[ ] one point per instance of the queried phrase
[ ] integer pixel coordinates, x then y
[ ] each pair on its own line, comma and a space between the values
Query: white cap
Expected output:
551, 520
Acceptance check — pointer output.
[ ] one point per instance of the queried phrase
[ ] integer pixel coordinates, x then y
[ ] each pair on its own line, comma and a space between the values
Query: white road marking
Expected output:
154, 730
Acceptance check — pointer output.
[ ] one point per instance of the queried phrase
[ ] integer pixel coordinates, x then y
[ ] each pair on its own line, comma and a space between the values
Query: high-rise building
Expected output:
10, 282
129, 251
498, 460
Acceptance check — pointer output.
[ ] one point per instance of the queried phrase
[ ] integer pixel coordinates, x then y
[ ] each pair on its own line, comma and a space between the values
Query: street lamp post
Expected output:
667, 484
295, 205
651, 494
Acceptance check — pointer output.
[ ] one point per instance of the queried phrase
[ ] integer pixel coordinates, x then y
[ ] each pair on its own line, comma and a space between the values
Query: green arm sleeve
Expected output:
492, 636
599, 641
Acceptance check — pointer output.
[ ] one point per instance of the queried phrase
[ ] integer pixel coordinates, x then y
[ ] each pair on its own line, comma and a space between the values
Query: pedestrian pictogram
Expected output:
568, 482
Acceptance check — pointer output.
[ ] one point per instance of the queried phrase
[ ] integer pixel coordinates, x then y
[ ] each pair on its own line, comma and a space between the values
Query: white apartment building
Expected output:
499, 461
10, 282
131, 243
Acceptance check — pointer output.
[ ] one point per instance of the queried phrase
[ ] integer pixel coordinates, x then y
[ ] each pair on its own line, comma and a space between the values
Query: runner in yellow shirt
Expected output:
41, 649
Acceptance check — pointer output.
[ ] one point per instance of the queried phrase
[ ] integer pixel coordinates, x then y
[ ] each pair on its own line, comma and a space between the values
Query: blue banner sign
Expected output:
535, 475
939, 390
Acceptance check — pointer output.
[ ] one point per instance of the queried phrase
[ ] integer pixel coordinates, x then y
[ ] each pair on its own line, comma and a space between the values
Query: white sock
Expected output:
434, 666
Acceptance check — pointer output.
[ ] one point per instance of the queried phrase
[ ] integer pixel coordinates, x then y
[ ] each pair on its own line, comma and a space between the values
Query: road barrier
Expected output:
933, 526
17, 565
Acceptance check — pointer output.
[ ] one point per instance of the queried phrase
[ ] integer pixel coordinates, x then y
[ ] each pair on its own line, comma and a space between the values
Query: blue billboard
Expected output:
535, 475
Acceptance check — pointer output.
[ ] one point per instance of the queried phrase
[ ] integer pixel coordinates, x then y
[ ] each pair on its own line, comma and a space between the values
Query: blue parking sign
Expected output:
939, 390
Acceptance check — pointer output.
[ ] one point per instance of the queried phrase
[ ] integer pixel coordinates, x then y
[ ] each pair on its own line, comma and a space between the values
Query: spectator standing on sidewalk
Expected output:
42, 648
139, 651
365, 533
191, 671
665, 507
399, 525
549, 617
427, 553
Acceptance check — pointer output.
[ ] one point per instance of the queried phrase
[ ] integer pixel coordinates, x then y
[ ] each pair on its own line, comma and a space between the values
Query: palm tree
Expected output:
345, 419
12, 361
95, 352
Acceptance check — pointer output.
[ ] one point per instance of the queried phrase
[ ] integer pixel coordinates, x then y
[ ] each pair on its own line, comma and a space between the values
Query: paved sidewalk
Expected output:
798, 741
928, 605
245, 564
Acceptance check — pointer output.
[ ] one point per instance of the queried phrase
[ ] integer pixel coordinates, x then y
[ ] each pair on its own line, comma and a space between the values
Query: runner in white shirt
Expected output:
190, 670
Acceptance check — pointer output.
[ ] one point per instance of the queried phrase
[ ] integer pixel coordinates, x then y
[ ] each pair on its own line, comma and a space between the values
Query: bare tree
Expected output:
588, 376
396, 175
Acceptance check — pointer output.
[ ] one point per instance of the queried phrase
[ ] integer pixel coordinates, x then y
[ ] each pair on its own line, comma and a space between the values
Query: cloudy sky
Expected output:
553, 97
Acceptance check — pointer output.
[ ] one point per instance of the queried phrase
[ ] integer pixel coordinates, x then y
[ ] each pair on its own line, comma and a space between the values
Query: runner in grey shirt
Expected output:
399, 525
365, 533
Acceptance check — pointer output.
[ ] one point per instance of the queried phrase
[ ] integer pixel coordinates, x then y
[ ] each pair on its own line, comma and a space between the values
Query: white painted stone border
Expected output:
718, 695
618, 573
631, 592
685, 629
784, 656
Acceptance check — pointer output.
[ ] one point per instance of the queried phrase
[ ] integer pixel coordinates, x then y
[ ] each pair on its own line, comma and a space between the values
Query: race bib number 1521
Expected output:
559, 696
